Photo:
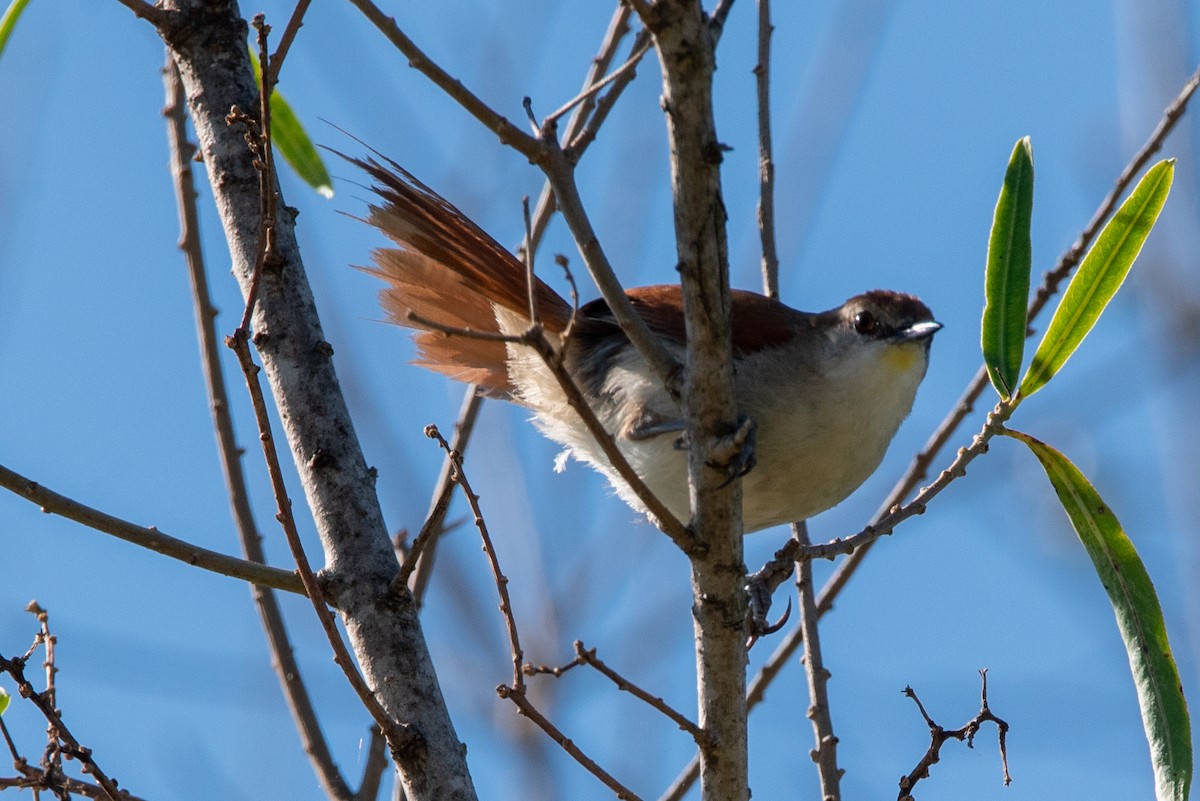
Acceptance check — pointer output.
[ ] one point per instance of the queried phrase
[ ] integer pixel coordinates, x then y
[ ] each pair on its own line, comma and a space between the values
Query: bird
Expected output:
825, 392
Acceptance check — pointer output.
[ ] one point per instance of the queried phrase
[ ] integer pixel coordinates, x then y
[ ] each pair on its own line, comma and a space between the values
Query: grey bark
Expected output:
207, 39
686, 48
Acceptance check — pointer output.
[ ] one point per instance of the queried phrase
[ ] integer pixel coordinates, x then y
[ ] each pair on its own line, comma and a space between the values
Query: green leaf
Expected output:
1010, 255
1100, 276
292, 142
4, 699
1139, 618
9, 21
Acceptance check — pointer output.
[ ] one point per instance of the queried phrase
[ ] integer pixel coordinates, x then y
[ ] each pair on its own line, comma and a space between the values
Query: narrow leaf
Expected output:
1008, 262
9, 21
1139, 618
292, 142
1100, 275
4, 699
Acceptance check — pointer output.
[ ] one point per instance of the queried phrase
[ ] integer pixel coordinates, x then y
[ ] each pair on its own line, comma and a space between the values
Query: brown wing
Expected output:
757, 321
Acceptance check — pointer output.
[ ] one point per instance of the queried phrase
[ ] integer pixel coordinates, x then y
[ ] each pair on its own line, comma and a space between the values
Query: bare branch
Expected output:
382, 625
271, 71
939, 737
153, 539
589, 657
589, 93
766, 162
509, 134
510, 622
686, 46
562, 178
526, 708
284, 660
578, 138
716, 22
825, 751
618, 27
434, 526
62, 741
147, 11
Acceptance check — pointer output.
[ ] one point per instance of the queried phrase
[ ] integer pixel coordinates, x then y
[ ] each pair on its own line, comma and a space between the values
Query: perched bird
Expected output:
826, 391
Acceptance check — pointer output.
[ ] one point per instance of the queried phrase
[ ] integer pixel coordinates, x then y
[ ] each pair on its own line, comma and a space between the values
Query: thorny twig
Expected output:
939, 736
60, 741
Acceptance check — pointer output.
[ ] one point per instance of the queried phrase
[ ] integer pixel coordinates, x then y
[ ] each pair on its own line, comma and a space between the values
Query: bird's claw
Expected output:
736, 454
758, 601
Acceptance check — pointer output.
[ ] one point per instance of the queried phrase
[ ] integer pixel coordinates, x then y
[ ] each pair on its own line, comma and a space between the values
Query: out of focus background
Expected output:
893, 123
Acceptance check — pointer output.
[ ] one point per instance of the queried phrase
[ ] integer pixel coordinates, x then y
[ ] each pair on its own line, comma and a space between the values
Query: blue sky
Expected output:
893, 124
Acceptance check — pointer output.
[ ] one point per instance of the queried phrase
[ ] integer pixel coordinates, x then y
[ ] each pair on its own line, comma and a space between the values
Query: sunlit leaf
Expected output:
9, 21
292, 142
1100, 275
4, 699
1008, 263
1139, 618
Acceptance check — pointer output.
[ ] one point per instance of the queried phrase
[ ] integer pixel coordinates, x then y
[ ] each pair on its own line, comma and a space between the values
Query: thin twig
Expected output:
939, 737
52, 781
509, 134
399, 737
527, 256
766, 161
147, 11
556, 672
589, 93
284, 660
510, 622
562, 177
258, 137
589, 656
618, 27
535, 338
526, 708
153, 539
578, 142
825, 751
670, 525
271, 71
434, 526
373, 768
716, 22
57, 730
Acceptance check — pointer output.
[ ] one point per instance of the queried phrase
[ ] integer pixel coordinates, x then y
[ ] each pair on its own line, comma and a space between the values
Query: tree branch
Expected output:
153, 539
685, 45
208, 44
509, 134
284, 660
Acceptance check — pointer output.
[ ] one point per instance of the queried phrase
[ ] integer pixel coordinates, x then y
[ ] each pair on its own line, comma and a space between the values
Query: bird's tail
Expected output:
447, 273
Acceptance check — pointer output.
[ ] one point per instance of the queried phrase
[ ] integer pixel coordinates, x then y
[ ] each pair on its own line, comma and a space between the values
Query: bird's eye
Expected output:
865, 323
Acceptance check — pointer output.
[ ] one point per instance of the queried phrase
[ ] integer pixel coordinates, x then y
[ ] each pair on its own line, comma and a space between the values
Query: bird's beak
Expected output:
919, 331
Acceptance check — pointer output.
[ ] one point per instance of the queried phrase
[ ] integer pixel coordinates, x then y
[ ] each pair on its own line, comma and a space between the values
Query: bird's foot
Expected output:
735, 455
